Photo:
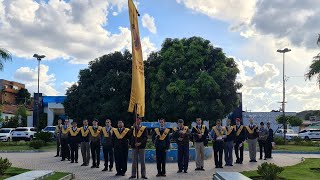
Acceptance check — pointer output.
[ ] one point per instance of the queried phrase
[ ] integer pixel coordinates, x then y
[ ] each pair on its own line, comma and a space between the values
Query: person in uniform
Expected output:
74, 139
218, 134
252, 135
58, 137
263, 135
269, 142
161, 139
120, 138
181, 136
138, 144
95, 143
65, 149
85, 143
239, 141
228, 143
106, 141
199, 133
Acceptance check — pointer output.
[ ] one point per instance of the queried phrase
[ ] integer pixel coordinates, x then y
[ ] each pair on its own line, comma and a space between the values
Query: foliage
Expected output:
297, 140
12, 122
4, 165
279, 140
14, 143
44, 136
314, 68
43, 120
36, 144
312, 113
293, 120
4, 56
269, 171
185, 79
23, 97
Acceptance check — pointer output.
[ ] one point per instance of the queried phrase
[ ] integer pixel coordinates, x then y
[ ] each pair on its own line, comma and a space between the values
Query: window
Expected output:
33, 129
15, 87
303, 131
21, 129
4, 130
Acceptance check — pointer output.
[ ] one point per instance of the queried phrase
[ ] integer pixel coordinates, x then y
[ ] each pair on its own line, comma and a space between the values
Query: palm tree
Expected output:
314, 69
4, 56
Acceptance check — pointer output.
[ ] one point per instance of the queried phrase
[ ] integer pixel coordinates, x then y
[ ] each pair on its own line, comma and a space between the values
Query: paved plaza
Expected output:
46, 161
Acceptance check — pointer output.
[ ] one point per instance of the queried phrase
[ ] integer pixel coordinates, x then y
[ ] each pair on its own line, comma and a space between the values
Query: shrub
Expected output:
278, 140
269, 171
297, 140
4, 165
37, 144
44, 136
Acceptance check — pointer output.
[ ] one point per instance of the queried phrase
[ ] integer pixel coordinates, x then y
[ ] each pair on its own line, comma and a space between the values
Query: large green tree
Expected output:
190, 78
4, 56
314, 68
23, 97
293, 120
187, 78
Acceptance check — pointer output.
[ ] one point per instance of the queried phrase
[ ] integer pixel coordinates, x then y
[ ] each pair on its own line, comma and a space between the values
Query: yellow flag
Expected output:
137, 96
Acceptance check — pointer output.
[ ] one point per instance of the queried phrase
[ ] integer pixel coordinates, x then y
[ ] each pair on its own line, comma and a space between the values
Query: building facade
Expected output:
9, 90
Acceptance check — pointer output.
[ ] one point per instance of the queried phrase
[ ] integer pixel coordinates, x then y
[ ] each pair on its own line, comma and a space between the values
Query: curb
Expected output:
21, 151
291, 152
68, 177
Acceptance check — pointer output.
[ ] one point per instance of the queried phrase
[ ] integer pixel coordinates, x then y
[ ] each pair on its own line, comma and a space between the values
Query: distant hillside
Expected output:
305, 114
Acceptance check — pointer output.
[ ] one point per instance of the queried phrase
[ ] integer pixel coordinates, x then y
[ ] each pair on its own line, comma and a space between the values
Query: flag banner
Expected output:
137, 96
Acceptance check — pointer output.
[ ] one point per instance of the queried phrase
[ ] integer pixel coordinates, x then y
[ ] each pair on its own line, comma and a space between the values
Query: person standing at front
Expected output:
252, 135
95, 143
218, 134
120, 142
74, 138
106, 141
65, 150
85, 143
161, 139
228, 143
181, 135
138, 145
200, 133
58, 136
263, 135
269, 141
239, 141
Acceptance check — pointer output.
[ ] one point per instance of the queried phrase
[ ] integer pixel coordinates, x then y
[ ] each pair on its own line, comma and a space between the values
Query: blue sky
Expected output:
72, 33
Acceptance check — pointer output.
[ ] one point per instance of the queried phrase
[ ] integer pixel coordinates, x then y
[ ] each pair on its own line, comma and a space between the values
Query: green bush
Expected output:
4, 165
297, 140
44, 136
14, 143
37, 144
279, 140
269, 171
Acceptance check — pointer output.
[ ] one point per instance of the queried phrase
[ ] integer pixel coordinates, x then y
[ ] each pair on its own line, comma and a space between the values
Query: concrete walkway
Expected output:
46, 161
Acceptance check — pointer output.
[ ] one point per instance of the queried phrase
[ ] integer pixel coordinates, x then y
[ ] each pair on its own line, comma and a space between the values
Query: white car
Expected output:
50, 129
289, 135
23, 133
6, 134
310, 134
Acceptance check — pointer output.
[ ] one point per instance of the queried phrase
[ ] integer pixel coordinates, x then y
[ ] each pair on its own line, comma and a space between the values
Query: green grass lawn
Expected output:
12, 171
56, 175
307, 170
15, 146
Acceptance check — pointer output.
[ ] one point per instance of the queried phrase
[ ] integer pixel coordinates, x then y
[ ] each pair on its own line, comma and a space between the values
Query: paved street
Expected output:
46, 161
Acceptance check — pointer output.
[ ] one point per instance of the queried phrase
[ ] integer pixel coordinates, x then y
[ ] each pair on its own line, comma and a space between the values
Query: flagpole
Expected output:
136, 138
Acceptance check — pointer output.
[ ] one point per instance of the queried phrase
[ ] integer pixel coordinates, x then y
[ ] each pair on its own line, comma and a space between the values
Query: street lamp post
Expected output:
283, 51
38, 57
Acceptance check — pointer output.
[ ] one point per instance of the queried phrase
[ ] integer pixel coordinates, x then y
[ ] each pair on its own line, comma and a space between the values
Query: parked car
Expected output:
23, 133
6, 134
289, 135
310, 134
50, 129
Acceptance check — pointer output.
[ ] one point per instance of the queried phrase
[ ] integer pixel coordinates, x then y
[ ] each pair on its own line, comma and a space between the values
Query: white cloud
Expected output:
148, 22
74, 30
29, 77
147, 47
64, 86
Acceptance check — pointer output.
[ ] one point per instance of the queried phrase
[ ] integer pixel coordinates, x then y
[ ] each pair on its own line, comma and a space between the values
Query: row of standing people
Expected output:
92, 137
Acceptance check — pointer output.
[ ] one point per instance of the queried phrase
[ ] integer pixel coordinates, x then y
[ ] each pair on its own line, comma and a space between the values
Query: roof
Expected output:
9, 109
53, 99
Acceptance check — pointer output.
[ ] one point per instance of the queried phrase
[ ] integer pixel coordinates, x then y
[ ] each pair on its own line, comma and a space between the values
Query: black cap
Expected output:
261, 123
96, 120
268, 122
180, 121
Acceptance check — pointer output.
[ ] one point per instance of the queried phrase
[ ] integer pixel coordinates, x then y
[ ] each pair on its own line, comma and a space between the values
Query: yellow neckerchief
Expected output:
217, 132
65, 131
163, 135
203, 129
249, 129
239, 130
58, 127
85, 133
185, 129
229, 131
95, 134
118, 135
105, 133
142, 128
74, 133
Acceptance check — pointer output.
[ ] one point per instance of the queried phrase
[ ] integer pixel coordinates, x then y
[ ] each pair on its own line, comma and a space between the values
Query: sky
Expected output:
72, 33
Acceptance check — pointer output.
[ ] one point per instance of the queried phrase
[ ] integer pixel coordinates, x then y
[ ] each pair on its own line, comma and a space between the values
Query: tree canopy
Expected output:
23, 97
4, 56
293, 120
187, 78
314, 68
